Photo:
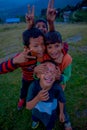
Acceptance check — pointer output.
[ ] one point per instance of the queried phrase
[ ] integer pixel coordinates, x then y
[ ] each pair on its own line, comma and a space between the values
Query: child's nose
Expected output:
40, 48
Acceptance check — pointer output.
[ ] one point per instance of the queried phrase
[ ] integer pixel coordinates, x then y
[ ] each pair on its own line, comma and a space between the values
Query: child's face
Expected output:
42, 27
48, 77
37, 46
54, 50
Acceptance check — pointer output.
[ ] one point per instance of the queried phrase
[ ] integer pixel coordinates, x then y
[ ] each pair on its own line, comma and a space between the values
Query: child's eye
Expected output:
57, 46
36, 46
49, 47
44, 26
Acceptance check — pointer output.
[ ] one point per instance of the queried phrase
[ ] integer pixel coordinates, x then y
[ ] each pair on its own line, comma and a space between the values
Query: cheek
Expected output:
49, 51
43, 48
58, 49
34, 53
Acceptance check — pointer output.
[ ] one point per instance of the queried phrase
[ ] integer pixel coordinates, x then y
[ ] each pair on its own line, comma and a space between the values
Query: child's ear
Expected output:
25, 47
62, 46
38, 75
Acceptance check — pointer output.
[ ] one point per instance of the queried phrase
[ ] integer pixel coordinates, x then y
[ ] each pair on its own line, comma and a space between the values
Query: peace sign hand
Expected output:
30, 17
51, 12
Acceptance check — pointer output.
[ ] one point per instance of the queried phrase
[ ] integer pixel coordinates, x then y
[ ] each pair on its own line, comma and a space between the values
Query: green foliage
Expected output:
10, 83
79, 16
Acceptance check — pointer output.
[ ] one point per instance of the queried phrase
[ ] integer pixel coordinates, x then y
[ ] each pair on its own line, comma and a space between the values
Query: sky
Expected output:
9, 3
17, 6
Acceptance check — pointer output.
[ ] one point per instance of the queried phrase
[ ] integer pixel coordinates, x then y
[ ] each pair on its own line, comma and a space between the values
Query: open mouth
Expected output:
48, 80
54, 55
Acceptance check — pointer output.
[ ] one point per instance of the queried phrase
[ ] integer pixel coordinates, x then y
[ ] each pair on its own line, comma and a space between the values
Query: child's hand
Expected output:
30, 17
58, 73
61, 117
51, 12
40, 69
23, 57
43, 95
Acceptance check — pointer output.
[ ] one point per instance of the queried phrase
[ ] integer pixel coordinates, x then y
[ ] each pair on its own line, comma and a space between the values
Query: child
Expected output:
33, 40
44, 96
34, 43
54, 48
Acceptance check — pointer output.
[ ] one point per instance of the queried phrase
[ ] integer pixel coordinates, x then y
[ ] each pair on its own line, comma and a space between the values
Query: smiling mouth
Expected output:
48, 80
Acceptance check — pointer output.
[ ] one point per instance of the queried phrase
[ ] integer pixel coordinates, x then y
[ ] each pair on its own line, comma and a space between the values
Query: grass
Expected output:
10, 83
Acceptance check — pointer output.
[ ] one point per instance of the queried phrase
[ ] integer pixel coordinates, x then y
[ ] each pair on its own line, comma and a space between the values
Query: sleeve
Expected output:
7, 66
59, 93
31, 91
66, 74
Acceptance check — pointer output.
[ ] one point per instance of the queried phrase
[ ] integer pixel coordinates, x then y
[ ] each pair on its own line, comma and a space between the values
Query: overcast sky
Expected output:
9, 3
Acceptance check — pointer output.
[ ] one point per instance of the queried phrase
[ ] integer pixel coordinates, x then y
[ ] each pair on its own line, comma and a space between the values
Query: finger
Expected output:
30, 57
45, 93
46, 97
29, 9
33, 10
51, 4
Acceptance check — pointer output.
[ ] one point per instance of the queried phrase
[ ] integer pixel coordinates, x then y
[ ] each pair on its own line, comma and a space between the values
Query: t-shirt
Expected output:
44, 109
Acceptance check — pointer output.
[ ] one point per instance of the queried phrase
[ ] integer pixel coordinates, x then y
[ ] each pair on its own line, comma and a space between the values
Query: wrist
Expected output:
14, 61
50, 22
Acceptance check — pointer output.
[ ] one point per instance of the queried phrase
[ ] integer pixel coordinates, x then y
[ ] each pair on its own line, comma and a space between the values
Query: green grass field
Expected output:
10, 83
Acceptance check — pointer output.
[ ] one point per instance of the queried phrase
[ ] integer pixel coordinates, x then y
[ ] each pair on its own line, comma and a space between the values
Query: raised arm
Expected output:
14, 63
30, 17
51, 15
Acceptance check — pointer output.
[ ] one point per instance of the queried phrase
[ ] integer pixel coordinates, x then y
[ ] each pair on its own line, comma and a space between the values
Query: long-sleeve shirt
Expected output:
7, 66
27, 68
65, 68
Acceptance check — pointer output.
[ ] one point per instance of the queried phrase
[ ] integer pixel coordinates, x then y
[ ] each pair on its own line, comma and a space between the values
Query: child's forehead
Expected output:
39, 38
50, 65
54, 44
41, 22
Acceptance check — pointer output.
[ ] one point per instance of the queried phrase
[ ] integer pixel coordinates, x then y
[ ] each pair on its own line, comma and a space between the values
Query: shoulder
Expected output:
67, 57
67, 60
57, 87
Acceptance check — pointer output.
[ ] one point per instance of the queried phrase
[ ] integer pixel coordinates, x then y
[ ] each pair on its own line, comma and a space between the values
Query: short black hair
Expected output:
52, 37
31, 33
42, 20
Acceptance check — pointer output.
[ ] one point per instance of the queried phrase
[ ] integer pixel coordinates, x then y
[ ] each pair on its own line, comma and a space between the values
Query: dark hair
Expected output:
53, 37
42, 20
51, 61
32, 33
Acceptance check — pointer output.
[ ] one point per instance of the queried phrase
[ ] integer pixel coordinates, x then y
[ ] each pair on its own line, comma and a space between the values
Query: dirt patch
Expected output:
74, 39
82, 49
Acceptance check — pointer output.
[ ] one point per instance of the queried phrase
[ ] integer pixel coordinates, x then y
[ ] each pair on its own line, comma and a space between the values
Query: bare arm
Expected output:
51, 15
30, 17
61, 115
41, 96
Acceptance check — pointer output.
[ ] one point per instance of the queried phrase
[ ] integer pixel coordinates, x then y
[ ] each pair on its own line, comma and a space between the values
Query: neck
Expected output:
40, 59
44, 87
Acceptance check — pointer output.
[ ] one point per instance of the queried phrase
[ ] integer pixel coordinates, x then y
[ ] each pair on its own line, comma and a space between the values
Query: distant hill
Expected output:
12, 8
